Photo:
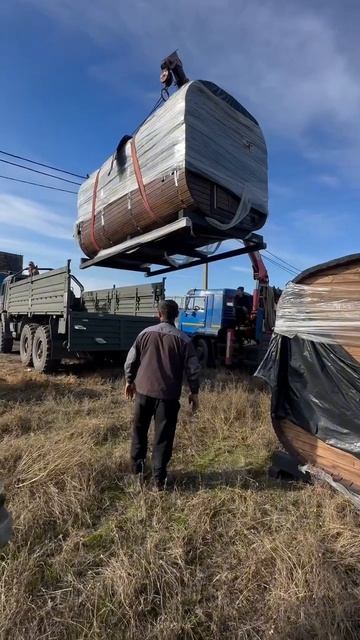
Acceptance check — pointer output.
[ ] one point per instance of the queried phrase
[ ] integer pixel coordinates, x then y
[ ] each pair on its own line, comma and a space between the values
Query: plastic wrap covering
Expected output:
315, 386
328, 314
160, 146
200, 129
313, 369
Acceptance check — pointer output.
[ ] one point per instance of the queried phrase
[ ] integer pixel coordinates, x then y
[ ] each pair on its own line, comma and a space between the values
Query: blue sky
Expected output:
75, 76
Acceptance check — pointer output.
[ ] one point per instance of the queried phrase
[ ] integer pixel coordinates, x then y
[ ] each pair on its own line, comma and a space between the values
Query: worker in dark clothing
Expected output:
154, 371
241, 306
33, 269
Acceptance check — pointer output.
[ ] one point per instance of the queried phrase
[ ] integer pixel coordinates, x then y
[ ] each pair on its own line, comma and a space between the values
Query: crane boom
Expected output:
263, 297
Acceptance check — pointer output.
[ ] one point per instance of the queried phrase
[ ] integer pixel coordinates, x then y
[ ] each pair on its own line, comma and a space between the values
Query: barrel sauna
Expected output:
201, 151
313, 368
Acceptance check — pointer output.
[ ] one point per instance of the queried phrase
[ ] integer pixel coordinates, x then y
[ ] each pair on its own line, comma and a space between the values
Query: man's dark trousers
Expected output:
165, 413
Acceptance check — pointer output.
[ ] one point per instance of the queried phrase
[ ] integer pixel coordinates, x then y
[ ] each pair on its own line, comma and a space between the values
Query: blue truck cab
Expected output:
206, 312
207, 316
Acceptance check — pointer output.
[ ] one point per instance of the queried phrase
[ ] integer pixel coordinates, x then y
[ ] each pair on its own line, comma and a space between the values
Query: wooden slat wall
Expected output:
117, 222
128, 216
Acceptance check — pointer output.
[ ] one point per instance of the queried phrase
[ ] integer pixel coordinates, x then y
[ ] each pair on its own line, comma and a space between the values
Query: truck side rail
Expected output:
141, 300
45, 294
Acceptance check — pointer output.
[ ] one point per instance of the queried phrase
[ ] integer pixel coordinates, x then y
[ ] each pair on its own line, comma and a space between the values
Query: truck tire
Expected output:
26, 343
41, 351
202, 350
6, 342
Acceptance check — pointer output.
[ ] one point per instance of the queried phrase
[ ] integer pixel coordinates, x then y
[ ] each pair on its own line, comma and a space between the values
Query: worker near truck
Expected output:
241, 306
154, 371
33, 269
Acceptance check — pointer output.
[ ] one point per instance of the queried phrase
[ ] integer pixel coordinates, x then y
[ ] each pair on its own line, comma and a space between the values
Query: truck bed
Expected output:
49, 294
90, 332
43, 295
139, 300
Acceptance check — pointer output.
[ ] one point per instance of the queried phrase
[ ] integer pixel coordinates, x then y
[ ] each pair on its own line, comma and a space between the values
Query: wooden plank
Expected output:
117, 223
314, 451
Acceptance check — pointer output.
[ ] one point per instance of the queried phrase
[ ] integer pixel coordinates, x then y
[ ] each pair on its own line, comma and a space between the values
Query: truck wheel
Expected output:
6, 343
41, 351
26, 343
202, 351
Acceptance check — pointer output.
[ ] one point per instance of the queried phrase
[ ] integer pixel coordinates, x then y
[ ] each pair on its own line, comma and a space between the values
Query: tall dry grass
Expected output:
225, 554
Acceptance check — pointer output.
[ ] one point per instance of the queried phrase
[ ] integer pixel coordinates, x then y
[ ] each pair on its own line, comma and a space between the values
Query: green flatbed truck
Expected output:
54, 318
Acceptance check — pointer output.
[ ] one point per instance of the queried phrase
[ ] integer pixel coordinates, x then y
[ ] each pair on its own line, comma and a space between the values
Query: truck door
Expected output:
193, 319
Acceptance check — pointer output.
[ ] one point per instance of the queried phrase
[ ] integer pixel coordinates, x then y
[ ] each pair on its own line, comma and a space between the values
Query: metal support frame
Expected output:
209, 259
186, 236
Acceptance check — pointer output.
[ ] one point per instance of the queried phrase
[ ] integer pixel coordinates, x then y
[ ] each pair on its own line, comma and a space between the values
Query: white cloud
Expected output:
329, 180
34, 217
292, 64
283, 57
31, 248
321, 224
281, 190
240, 269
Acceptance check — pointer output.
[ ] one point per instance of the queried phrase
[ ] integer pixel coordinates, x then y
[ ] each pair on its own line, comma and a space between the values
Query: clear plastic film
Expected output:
322, 313
196, 128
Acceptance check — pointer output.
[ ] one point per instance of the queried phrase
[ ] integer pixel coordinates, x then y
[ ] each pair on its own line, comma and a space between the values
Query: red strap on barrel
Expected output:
93, 212
139, 179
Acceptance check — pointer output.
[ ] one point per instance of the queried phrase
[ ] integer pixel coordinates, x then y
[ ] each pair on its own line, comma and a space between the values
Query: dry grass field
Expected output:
225, 553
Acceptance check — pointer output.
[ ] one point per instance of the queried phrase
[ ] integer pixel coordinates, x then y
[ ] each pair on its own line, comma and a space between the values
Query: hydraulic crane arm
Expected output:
259, 270
261, 298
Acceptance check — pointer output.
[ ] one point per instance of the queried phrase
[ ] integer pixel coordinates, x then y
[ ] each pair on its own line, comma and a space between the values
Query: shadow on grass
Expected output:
254, 479
38, 391
87, 368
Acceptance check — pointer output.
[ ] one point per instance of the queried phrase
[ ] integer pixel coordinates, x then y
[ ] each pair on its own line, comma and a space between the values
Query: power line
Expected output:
289, 268
43, 173
41, 164
280, 266
37, 184
281, 260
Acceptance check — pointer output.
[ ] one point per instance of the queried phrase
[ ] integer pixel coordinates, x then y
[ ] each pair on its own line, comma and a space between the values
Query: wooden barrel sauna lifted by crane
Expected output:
201, 151
313, 368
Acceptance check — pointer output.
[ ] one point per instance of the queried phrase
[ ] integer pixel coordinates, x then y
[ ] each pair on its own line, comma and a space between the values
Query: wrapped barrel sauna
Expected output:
313, 369
201, 151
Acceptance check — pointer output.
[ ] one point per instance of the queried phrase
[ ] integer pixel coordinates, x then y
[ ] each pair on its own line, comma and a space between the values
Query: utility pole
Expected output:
206, 276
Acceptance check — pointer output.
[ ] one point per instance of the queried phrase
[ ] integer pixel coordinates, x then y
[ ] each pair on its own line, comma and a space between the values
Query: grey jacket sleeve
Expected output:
192, 368
132, 362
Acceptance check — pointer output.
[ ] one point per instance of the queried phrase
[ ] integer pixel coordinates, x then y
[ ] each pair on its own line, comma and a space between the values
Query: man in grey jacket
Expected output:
154, 371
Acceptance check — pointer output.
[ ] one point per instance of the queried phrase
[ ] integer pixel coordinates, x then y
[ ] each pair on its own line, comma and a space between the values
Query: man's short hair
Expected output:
241, 289
169, 310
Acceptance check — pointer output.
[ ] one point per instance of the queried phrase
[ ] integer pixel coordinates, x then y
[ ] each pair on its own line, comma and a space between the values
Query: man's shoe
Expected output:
159, 485
138, 467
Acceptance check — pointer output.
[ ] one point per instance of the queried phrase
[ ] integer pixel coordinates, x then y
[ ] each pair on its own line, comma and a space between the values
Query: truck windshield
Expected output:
195, 303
